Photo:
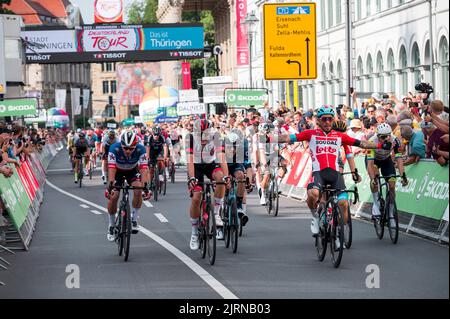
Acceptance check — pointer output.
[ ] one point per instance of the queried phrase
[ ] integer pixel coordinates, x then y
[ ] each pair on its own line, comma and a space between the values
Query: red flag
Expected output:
186, 72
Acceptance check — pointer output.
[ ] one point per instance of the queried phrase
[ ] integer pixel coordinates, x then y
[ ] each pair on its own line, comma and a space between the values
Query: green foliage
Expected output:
79, 122
4, 10
142, 12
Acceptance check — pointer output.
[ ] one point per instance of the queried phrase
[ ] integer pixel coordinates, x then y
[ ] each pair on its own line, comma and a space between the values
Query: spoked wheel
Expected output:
80, 175
211, 235
378, 223
321, 243
337, 236
226, 224
127, 232
240, 227
392, 220
348, 231
119, 233
172, 173
156, 184
234, 227
202, 238
165, 184
276, 198
269, 199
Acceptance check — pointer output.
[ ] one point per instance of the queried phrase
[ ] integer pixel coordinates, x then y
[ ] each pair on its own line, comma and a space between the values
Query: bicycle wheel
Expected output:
348, 230
337, 236
155, 183
127, 231
392, 220
118, 232
240, 227
321, 239
90, 170
234, 226
269, 198
165, 184
276, 198
225, 213
202, 236
172, 173
378, 223
80, 173
211, 234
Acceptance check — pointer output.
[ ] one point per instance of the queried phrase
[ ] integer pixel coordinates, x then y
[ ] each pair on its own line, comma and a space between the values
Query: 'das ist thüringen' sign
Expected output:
18, 107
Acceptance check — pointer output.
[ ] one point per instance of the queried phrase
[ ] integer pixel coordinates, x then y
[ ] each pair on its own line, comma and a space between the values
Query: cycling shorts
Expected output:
329, 176
131, 176
387, 167
207, 170
233, 168
154, 159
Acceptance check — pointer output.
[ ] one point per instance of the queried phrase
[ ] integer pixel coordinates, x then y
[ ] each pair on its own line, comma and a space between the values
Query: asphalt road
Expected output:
276, 257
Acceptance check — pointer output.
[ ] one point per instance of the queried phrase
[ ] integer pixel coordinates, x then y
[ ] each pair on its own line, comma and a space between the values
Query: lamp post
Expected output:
158, 82
250, 21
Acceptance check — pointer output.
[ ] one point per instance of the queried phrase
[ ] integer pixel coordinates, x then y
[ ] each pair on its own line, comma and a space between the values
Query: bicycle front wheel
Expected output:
165, 184
348, 231
392, 220
156, 183
127, 231
378, 223
118, 232
337, 236
172, 173
234, 226
276, 198
269, 199
211, 235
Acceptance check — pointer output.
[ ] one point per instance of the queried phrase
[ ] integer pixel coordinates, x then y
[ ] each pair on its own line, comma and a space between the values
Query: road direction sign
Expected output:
290, 50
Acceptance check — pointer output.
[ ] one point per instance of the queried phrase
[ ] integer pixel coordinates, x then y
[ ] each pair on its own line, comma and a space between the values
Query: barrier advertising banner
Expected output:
100, 43
18, 107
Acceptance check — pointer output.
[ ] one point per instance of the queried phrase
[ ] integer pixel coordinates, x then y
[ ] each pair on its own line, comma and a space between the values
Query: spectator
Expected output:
435, 143
356, 131
416, 144
438, 109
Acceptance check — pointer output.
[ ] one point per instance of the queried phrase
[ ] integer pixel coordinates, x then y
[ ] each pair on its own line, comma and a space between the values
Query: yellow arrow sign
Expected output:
290, 50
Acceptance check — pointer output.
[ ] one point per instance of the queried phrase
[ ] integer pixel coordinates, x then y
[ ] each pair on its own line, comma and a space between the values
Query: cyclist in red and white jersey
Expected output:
324, 146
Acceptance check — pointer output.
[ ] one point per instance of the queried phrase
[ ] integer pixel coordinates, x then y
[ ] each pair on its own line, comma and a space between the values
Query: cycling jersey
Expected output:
205, 154
118, 160
91, 141
81, 146
156, 145
323, 147
381, 154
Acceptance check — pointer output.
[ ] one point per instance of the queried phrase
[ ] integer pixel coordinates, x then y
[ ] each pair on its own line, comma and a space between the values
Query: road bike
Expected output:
331, 224
80, 173
348, 228
272, 193
388, 209
122, 229
172, 172
231, 221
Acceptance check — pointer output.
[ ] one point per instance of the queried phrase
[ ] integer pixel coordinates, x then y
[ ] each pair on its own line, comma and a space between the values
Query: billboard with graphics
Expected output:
102, 43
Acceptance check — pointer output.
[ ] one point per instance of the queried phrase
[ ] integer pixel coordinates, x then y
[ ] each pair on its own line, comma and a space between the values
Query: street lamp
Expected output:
250, 21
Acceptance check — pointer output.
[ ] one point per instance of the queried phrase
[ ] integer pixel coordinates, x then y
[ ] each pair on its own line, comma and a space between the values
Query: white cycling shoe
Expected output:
315, 225
194, 242
219, 221
110, 236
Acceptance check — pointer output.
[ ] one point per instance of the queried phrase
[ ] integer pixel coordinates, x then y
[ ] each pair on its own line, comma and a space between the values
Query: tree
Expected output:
4, 10
143, 12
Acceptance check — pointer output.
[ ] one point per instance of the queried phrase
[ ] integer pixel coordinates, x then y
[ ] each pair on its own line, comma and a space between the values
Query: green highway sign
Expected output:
243, 97
18, 107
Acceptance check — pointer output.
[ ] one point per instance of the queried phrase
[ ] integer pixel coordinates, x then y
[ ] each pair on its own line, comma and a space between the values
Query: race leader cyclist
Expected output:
109, 139
126, 159
382, 159
80, 150
157, 150
205, 156
324, 145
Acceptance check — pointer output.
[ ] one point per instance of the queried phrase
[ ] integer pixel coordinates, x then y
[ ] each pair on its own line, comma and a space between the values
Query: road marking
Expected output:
84, 206
161, 218
96, 212
148, 204
196, 268
66, 169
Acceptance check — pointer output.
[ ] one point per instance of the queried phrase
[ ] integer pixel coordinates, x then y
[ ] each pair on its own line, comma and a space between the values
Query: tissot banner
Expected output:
100, 43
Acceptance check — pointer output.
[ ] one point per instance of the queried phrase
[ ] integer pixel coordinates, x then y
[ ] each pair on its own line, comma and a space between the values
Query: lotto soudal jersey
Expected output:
324, 148
118, 159
207, 153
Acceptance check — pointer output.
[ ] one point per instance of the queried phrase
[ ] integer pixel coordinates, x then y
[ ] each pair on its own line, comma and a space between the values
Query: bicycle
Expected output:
272, 194
80, 173
331, 225
232, 225
91, 165
207, 229
172, 172
163, 183
122, 229
386, 215
155, 183
348, 231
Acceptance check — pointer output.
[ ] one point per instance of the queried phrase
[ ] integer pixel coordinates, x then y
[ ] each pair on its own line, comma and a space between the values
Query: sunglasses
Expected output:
382, 137
129, 148
326, 119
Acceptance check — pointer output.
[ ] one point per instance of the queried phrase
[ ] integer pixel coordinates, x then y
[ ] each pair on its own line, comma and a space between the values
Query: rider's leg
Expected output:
239, 175
137, 200
373, 172
343, 205
219, 192
75, 171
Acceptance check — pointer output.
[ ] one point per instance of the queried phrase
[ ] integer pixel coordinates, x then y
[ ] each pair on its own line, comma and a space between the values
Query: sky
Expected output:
87, 9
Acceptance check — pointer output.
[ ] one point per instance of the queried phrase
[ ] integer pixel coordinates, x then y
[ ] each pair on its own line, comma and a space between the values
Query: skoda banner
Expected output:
242, 97
18, 107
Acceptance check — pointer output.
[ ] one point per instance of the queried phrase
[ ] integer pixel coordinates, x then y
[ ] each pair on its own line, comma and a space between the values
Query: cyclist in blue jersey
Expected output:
126, 159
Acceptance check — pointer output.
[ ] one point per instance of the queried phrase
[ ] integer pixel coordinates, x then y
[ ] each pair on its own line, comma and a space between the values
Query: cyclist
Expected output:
98, 142
80, 149
92, 141
126, 159
236, 152
268, 154
176, 146
324, 144
157, 152
382, 159
205, 156
109, 139
70, 140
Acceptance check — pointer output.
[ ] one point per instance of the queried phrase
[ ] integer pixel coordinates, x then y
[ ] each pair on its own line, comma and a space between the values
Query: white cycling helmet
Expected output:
384, 129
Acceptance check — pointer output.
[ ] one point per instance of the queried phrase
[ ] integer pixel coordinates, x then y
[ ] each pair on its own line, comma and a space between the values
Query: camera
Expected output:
425, 88
339, 108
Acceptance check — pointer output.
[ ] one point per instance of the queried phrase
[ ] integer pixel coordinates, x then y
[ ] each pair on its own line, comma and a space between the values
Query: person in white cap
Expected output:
356, 131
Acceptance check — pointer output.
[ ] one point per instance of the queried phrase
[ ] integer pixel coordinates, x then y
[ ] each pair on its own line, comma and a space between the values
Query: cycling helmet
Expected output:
325, 110
111, 133
202, 125
128, 139
384, 129
339, 126
156, 130
78, 130
81, 135
235, 137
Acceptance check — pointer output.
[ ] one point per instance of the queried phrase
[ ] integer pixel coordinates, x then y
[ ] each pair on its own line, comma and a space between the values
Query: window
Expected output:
416, 63
338, 12
359, 73
322, 15
369, 71
404, 72
330, 14
358, 10
105, 87
391, 68
380, 69
378, 6
113, 86
368, 8
103, 67
331, 98
108, 66
443, 60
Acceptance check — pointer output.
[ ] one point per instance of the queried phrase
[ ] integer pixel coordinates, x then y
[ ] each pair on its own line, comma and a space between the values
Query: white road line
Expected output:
84, 206
96, 212
161, 218
148, 204
202, 273
66, 169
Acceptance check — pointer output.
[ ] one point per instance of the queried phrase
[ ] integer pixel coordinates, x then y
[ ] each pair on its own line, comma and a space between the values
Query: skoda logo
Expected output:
2, 108
231, 97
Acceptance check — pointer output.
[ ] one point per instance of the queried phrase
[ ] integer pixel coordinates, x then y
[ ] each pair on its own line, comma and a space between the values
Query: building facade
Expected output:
104, 90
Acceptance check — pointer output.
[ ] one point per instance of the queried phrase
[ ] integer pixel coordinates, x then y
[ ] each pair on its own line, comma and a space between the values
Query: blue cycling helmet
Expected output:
325, 110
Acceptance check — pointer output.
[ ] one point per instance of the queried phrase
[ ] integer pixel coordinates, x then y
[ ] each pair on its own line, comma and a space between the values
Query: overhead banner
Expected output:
75, 97
103, 43
241, 34
18, 107
186, 72
86, 96
2, 58
60, 98
108, 11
